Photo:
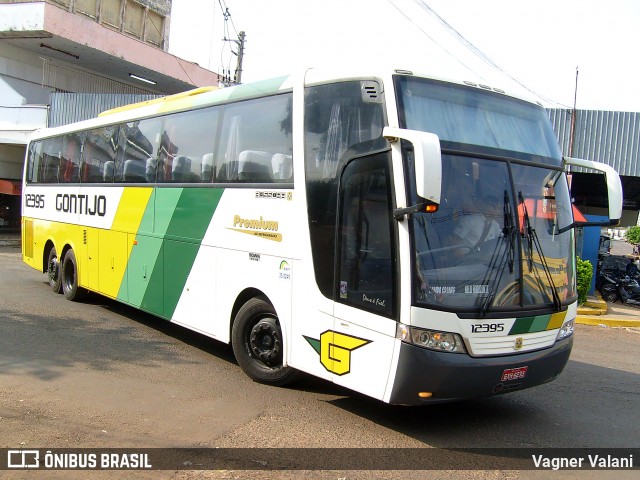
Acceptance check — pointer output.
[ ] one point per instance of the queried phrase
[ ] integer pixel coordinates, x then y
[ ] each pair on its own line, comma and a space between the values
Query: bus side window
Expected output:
185, 141
36, 160
256, 143
70, 158
96, 153
51, 160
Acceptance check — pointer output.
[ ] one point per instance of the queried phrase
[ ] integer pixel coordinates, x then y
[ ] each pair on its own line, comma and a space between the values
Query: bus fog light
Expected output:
433, 340
566, 330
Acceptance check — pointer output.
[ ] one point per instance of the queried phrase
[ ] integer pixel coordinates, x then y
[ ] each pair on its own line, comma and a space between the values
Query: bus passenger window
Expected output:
96, 153
70, 159
51, 151
186, 139
255, 144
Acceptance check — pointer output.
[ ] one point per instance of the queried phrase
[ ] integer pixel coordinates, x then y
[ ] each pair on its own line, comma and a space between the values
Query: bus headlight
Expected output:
566, 330
431, 339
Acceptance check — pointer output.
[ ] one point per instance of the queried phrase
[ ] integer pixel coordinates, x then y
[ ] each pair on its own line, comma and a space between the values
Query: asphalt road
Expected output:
100, 374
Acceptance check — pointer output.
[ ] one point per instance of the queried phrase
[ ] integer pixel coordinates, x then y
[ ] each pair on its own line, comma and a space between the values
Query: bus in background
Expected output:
407, 237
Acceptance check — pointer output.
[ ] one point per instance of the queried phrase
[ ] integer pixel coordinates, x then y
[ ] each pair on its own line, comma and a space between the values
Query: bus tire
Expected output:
53, 271
69, 278
258, 344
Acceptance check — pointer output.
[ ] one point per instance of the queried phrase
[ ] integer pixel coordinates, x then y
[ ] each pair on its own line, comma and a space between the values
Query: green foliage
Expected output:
633, 236
585, 272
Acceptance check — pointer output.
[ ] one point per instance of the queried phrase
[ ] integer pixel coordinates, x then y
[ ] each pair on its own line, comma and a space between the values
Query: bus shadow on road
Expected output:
98, 334
547, 416
182, 334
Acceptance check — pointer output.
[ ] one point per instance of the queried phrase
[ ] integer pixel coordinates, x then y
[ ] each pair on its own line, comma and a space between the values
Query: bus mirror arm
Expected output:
401, 212
428, 160
603, 223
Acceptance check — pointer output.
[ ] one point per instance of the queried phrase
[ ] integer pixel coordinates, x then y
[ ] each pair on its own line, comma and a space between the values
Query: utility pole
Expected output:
240, 43
573, 118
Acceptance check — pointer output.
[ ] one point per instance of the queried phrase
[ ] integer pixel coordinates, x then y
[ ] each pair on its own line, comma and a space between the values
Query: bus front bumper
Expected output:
426, 376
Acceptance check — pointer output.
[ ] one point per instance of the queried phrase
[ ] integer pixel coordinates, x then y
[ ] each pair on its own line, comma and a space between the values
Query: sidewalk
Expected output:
598, 312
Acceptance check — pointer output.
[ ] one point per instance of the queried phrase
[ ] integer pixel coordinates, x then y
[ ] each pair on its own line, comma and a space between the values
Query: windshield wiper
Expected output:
503, 255
533, 242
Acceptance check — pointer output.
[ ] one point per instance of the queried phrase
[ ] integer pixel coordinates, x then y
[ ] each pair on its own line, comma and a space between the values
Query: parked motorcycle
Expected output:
618, 279
608, 286
616, 287
629, 291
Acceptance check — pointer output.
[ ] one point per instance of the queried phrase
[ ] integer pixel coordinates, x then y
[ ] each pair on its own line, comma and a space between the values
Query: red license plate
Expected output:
513, 374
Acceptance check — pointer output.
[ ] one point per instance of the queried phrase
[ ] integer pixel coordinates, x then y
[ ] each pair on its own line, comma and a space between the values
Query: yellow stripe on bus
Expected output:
115, 242
171, 102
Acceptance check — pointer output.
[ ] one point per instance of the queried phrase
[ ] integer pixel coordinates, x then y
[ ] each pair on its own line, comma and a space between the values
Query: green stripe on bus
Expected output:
168, 241
193, 213
142, 259
185, 231
539, 323
521, 325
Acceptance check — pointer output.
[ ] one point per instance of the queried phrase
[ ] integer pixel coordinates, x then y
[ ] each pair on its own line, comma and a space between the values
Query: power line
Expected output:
475, 49
419, 27
469, 45
163, 41
239, 41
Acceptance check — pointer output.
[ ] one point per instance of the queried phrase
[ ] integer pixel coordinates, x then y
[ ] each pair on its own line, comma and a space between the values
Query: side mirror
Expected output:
614, 189
427, 160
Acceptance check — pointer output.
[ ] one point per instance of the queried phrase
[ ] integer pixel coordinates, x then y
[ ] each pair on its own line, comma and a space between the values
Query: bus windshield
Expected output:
477, 119
491, 247
498, 241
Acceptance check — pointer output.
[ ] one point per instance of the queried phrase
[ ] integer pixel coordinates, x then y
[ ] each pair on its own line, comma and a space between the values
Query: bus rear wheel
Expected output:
69, 277
53, 271
258, 344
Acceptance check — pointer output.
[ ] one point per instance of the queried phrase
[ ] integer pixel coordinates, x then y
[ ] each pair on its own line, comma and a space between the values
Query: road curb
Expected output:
594, 310
609, 322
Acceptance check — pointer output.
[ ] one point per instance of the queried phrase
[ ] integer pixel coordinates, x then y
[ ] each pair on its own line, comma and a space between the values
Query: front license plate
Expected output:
513, 374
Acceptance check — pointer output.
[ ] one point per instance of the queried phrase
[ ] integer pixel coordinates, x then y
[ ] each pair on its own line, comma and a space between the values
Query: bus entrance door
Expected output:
365, 309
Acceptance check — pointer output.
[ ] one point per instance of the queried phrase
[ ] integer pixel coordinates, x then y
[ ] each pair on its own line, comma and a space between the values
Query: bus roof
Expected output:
206, 96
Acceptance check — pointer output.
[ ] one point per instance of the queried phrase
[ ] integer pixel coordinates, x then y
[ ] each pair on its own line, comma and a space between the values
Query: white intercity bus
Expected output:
407, 237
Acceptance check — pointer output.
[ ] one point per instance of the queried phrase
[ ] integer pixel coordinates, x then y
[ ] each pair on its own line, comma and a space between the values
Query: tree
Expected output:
633, 235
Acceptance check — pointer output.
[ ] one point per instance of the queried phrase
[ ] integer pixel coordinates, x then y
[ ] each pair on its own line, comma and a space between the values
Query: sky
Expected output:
526, 47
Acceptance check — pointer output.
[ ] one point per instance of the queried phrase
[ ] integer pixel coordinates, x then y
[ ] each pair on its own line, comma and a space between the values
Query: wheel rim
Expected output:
265, 342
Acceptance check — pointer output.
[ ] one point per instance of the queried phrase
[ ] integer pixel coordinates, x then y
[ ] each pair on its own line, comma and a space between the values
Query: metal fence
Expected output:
608, 137
74, 107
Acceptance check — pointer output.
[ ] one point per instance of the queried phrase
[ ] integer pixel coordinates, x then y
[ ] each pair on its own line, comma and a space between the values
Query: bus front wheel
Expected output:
69, 277
258, 345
